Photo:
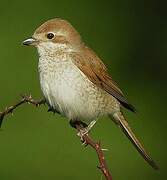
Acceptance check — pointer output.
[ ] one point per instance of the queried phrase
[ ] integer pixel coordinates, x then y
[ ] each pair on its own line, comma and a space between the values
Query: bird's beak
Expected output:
30, 42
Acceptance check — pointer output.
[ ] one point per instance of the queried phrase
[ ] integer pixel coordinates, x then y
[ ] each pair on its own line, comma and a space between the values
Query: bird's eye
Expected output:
50, 35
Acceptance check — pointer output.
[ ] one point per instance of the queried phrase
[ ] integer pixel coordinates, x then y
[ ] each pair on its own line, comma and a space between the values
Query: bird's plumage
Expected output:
74, 80
92, 66
121, 121
68, 90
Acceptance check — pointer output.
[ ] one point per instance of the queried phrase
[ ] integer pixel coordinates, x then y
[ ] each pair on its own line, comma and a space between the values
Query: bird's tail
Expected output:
120, 120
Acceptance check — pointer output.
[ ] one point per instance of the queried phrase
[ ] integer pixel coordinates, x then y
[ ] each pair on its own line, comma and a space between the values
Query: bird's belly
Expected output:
71, 93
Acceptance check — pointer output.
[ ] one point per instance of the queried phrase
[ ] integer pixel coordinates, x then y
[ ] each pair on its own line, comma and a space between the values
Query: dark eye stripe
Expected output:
50, 35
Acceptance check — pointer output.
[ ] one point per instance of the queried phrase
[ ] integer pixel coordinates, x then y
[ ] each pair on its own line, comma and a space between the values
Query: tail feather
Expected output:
120, 120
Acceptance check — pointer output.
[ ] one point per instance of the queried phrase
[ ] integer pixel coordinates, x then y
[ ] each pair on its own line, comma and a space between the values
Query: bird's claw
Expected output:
81, 133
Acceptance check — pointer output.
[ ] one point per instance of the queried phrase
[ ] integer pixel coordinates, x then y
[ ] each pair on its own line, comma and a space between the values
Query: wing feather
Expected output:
88, 62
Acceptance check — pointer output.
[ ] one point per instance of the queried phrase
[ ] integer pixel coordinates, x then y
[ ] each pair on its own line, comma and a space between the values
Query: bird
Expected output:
76, 83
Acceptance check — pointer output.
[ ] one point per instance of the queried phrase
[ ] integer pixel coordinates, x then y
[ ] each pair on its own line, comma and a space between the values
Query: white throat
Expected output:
50, 48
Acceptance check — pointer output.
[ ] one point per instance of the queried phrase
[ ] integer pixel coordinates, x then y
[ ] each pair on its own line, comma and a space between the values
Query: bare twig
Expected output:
25, 99
87, 140
97, 146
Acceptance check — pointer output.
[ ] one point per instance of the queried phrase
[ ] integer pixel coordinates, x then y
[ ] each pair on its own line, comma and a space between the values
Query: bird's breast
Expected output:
69, 91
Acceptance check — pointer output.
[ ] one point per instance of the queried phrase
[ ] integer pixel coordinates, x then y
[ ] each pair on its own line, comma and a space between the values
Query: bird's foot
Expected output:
85, 131
81, 133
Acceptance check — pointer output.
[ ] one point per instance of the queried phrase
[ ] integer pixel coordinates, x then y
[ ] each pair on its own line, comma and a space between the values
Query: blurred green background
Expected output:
131, 38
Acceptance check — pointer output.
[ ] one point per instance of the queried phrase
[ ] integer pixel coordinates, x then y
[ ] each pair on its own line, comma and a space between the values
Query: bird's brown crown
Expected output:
63, 30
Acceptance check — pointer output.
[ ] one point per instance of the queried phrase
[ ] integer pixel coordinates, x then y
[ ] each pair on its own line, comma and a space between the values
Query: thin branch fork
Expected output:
97, 146
25, 99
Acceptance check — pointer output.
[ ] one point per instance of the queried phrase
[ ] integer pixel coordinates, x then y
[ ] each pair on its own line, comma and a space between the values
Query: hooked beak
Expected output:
30, 42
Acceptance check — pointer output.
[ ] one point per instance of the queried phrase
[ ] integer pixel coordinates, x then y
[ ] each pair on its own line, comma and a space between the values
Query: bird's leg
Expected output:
91, 125
87, 129
84, 128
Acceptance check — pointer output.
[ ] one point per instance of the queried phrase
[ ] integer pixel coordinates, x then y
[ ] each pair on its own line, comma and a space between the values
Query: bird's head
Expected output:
54, 35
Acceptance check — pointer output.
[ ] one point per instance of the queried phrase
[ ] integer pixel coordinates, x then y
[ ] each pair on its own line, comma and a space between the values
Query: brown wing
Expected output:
96, 71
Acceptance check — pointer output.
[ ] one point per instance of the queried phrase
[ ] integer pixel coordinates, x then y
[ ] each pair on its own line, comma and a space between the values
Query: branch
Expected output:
96, 145
86, 139
25, 99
